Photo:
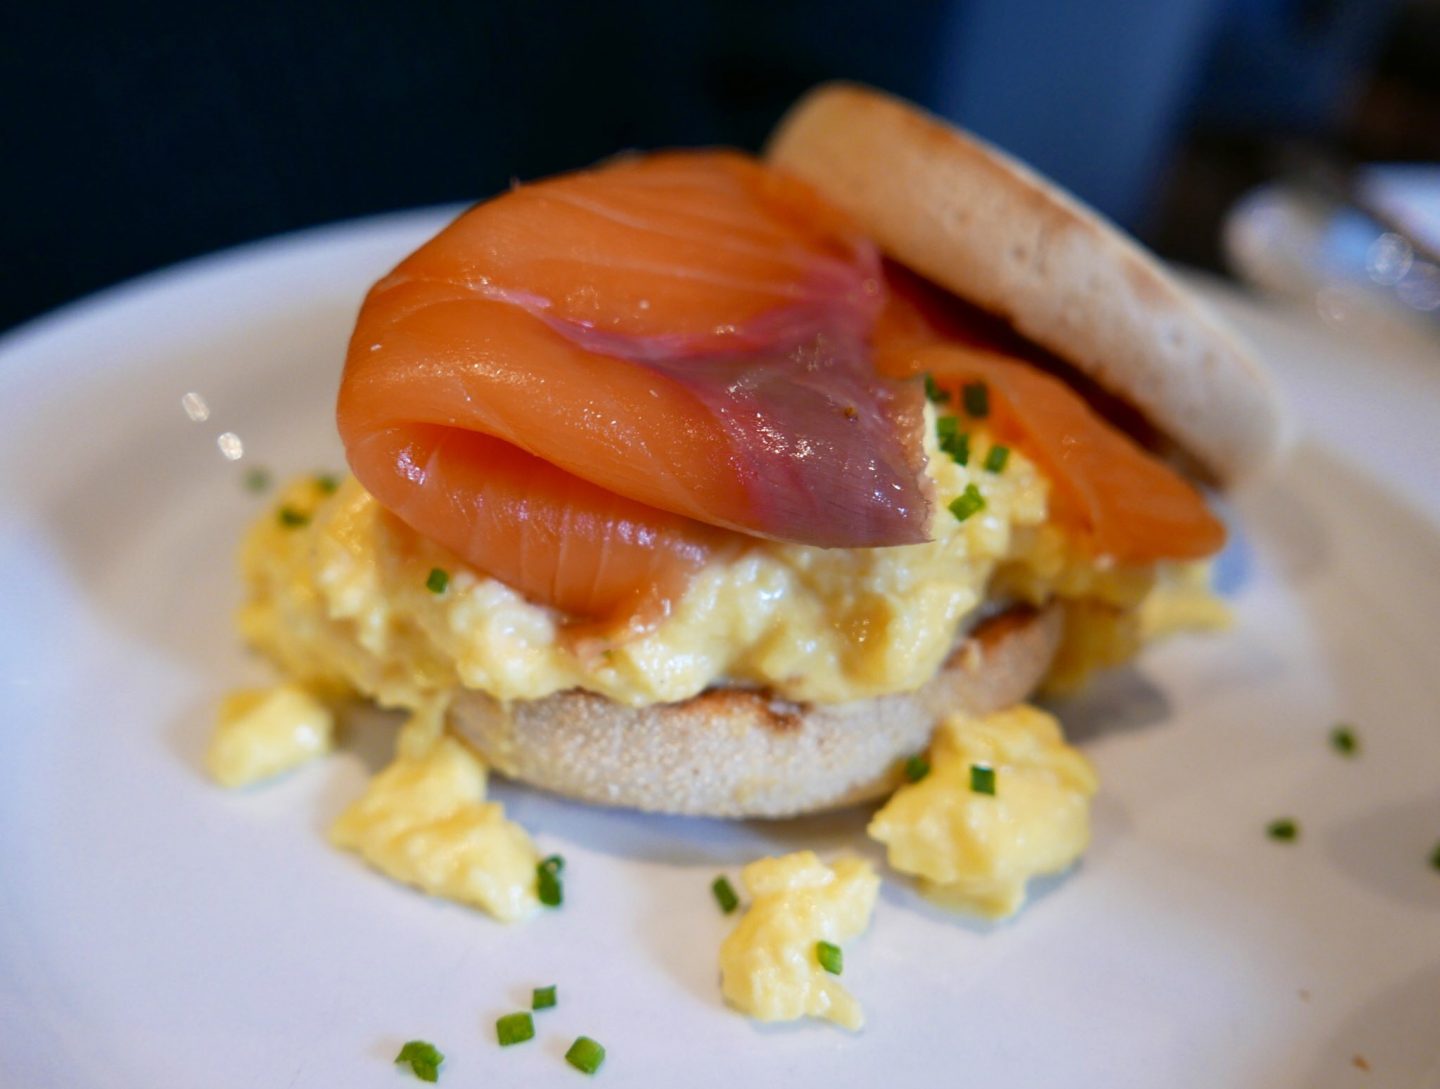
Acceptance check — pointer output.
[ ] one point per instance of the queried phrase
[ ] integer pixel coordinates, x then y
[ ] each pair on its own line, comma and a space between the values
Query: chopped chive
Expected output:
291, 518
257, 479
916, 768
327, 483
438, 580
1285, 830
543, 998
1435, 858
997, 457
725, 894
959, 449
585, 1055
515, 1028
977, 399
933, 393
982, 779
547, 881
969, 502
951, 440
830, 957
424, 1059
975, 396
1344, 741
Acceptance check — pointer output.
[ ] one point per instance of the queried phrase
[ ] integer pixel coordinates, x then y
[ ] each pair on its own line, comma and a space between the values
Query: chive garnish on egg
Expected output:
968, 502
952, 440
976, 397
328, 483
997, 457
982, 779
959, 448
291, 518
438, 580
933, 393
916, 768
830, 957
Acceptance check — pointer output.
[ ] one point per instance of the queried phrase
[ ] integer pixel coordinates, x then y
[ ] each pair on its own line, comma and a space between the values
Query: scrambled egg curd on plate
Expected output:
1005, 799
262, 732
775, 965
424, 821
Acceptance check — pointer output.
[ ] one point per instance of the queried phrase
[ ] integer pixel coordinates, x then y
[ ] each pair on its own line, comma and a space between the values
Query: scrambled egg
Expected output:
769, 967
977, 850
424, 821
1182, 601
338, 595
262, 732
1110, 621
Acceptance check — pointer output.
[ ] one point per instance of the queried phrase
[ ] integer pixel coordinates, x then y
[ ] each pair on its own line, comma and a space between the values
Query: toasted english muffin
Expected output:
993, 232
734, 752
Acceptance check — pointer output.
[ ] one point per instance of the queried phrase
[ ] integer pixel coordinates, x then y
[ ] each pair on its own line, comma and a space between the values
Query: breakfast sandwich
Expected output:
701, 483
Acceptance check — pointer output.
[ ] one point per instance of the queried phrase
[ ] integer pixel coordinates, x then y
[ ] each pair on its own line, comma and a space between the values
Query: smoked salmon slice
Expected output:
1112, 494
556, 538
586, 386
590, 386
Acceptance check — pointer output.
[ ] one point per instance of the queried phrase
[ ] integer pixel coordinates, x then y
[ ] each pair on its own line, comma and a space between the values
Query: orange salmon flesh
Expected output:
591, 386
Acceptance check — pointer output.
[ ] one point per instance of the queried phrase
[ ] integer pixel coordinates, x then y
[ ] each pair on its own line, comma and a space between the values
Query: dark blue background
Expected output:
137, 135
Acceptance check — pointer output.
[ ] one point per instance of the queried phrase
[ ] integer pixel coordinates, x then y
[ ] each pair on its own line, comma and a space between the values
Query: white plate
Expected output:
156, 932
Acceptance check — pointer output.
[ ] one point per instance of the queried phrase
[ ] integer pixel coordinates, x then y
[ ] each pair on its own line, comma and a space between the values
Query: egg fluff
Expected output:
1005, 800
424, 821
769, 966
264, 732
